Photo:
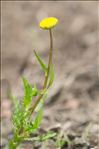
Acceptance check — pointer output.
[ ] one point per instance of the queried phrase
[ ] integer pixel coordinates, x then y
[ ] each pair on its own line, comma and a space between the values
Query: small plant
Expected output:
23, 122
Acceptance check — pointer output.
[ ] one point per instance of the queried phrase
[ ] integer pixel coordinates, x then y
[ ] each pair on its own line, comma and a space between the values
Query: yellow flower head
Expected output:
48, 23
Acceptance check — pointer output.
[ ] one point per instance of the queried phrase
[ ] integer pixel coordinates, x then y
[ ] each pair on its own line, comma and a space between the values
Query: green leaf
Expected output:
51, 76
39, 106
29, 127
34, 91
47, 136
38, 119
42, 64
32, 126
43, 137
18, 116
41, 103
29, 92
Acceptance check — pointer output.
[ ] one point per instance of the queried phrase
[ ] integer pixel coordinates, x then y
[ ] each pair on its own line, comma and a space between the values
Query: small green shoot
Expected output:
42, 64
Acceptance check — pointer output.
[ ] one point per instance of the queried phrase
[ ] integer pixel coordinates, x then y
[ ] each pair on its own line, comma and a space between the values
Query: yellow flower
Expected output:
48, 23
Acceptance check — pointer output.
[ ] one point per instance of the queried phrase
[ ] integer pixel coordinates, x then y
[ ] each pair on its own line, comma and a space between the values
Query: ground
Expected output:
72, 107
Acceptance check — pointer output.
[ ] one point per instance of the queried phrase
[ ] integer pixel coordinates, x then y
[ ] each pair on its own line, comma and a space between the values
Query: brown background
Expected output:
75, 54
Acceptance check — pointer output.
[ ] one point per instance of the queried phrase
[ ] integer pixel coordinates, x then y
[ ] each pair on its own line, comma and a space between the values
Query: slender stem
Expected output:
47, 75
14, 142
50, 59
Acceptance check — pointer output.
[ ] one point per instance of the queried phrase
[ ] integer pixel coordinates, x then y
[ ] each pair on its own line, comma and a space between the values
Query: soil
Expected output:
72, 108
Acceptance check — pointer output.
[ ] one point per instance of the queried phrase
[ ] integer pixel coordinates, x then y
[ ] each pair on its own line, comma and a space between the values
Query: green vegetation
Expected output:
23, 121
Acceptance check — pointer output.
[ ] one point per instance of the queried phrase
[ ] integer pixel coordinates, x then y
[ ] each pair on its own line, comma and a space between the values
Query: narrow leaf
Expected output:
48, 136
41, 103
32, 139
43, 137
28, 92
38, 119
51, 76
39, 106
42, 64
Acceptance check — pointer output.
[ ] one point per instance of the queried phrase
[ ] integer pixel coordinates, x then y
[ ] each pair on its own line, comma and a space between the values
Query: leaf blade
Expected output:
42, 64
38, 118
51, 76
28, 92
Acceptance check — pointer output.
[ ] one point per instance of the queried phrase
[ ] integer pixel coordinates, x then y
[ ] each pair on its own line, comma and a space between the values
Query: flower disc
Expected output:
48, 23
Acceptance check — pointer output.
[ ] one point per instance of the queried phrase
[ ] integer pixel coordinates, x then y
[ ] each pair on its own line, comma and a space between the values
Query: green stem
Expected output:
46, 76
50, 59
13, 143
